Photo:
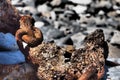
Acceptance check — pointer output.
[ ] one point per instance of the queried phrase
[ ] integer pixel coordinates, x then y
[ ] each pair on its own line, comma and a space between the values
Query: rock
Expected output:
116, 38
70, 15
104, 3
116, 60
114, 73
39, 24
96, 6
100, 22
14, 1
9, 17
29, 2
51, 33
64, 41
80, 9
57, 62
54, 33
53, 15
78, 39
29, 10
113, 14
43, 8
113, 51
56, 2
85, 2
101, 12
97, 38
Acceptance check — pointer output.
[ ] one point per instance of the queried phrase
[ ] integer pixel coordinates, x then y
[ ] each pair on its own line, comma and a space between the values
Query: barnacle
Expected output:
56, 63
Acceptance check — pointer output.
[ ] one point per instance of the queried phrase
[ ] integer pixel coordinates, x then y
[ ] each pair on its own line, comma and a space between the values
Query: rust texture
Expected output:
28, 33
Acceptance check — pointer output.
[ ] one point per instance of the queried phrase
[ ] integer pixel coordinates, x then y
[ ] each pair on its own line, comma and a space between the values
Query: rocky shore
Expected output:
68, 22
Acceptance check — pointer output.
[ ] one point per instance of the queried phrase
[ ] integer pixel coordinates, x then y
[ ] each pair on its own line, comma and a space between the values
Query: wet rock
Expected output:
9, 17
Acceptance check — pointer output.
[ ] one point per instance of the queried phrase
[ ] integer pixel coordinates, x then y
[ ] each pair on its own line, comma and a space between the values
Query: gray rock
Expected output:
114, 52
78, 39
51, 33
54, 33
80, 9
13, 2
116, 60
43, 8
85, 2
29, 10
64, 41
39, 24
29, 2
116, 38
114, 73
56, 2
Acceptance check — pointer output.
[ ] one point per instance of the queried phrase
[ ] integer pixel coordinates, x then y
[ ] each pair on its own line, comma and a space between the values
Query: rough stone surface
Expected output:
9, 17
56, 63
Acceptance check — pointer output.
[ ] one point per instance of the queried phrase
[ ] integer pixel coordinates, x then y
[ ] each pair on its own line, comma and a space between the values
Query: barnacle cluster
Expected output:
56, 63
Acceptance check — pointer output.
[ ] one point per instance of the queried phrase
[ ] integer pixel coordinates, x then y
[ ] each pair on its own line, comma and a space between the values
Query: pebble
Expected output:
39, 24
43, 8
29, 10
80, 9
85, 2
56, 2
54, 33
116, 38
29, 2
114, 73
78, 39
64, 41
